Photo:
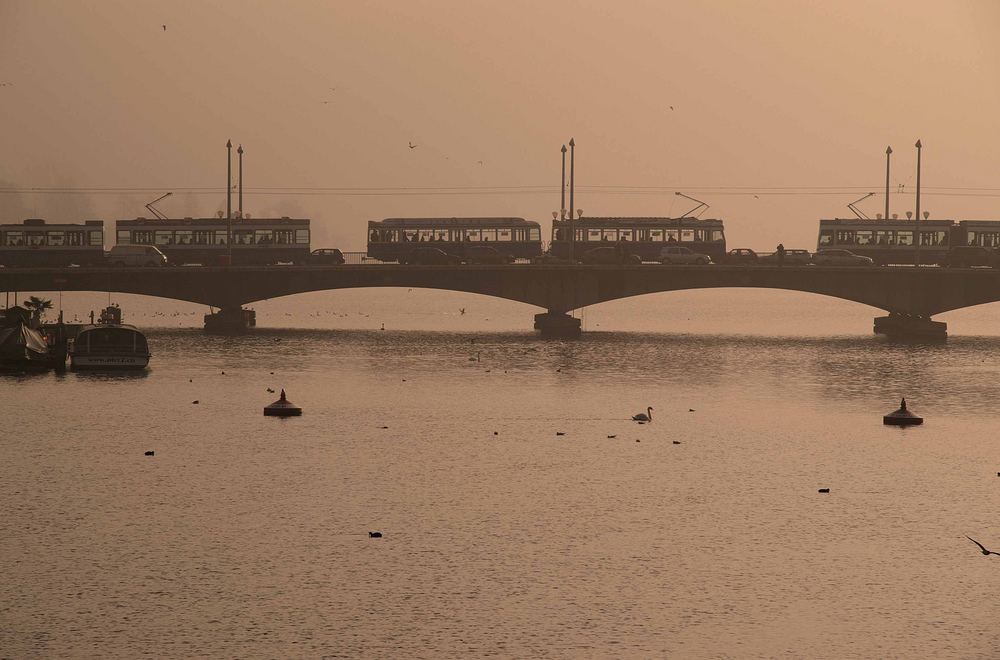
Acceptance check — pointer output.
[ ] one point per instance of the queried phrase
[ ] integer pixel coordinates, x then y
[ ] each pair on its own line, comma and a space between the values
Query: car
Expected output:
485, 254
609, 256
793, 257
428, 256
966, 256
547, 258
683, 255
840, 258
327, 256
741, 256
136, 255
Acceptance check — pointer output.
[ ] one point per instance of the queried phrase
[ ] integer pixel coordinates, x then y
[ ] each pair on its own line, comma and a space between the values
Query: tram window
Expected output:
182, 237
263, 237
579, 234
825, 237
490, 235
283, 236
221, 237
625, 234
864, 237
845, 237
96, 238
609, 235
57, 238
15, 238
203, 237
472, 234
881, 237
904, 237
425, 234
687, 235
535, 234
78, 238
656, 235
142, 237
593, 234
302, 236
671, 235
714, 235
504, 235
36, 238
163, 237
932, 238
441, 235
124, 237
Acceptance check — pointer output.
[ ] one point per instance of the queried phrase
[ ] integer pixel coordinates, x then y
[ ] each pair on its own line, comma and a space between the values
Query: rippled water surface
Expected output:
514, 526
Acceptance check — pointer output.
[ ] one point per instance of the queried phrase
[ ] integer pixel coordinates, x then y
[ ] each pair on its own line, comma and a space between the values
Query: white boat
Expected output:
109, 345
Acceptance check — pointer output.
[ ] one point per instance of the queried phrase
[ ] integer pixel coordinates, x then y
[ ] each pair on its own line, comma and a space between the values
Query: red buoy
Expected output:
902, 417
282, 408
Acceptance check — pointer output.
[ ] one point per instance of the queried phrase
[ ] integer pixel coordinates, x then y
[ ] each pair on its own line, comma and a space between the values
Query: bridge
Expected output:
910, 295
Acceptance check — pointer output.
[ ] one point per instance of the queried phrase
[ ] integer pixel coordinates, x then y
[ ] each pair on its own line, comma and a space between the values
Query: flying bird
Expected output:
164, 28
756, 197
461, 310
984, 550
413, 146
480, 162
671, 107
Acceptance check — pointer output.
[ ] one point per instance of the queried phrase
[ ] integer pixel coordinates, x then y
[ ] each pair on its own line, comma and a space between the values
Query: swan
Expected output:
644, 417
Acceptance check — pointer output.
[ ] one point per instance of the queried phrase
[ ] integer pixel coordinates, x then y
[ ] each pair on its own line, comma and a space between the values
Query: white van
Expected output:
136, 255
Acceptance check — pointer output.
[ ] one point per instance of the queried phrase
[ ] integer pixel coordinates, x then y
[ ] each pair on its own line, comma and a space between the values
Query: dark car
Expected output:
485, 254
966, 256
428, 256
327, 256
740, 256
609, 256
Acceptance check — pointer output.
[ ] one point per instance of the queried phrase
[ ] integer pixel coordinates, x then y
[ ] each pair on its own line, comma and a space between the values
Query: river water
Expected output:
514, 525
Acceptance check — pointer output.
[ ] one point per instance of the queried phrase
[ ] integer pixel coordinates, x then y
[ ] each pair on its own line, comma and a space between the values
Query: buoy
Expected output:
902, 417
612, 436
150, 453
374, 535
282, 408
824, 490
496, 433
677, 442
560, 433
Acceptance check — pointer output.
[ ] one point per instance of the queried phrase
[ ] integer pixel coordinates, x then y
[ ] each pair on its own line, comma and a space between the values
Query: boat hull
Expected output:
108, 362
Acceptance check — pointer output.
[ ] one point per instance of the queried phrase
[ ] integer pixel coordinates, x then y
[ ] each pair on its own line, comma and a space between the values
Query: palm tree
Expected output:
37, 306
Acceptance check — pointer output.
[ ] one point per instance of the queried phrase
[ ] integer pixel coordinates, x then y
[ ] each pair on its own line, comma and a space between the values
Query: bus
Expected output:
256, 241
35, 243
393, 239
641, 236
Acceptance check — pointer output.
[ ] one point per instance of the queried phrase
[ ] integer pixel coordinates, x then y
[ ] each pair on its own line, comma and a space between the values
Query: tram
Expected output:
35, 243
255, 241
894, 241
642, 236
393, 239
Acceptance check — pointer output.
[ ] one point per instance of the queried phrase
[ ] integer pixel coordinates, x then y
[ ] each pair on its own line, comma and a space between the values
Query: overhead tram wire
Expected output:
404, 191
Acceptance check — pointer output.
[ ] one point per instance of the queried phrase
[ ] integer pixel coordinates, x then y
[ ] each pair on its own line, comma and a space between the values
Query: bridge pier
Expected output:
557, 324
907, 326
230, 320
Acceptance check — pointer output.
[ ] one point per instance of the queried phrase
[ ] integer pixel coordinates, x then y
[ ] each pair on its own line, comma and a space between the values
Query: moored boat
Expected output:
109, 344
21, 347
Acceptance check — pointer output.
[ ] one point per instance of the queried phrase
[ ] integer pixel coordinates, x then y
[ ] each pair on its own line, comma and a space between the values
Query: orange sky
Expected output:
765, 94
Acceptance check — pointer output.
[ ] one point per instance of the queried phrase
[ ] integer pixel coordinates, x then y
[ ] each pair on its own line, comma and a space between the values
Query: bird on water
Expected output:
644, 417
982, 548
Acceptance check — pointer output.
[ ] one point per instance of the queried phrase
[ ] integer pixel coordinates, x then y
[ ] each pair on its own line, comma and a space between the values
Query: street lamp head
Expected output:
572, 142
909, 215
563, 149
888, 150
918, 145
579, 213
927, 214
555, 214
240, 150
229, 144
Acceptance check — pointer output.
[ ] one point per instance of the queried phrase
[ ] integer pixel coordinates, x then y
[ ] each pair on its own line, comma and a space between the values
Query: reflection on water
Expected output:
247, 536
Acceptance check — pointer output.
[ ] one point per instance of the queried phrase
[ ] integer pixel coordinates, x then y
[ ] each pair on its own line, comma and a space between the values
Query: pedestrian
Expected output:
780, 251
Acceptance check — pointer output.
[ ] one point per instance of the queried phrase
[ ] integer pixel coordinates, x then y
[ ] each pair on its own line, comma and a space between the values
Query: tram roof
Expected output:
451, 222
39, 223
875, 222
177, 222
608, 221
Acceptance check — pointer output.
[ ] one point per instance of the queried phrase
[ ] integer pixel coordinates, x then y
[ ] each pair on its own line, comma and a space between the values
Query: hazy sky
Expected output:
765, 94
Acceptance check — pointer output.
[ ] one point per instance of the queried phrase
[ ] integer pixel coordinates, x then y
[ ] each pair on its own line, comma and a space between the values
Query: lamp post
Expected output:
888, 153
239, 150
917, 256
572, 181
229, 199
562, 190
